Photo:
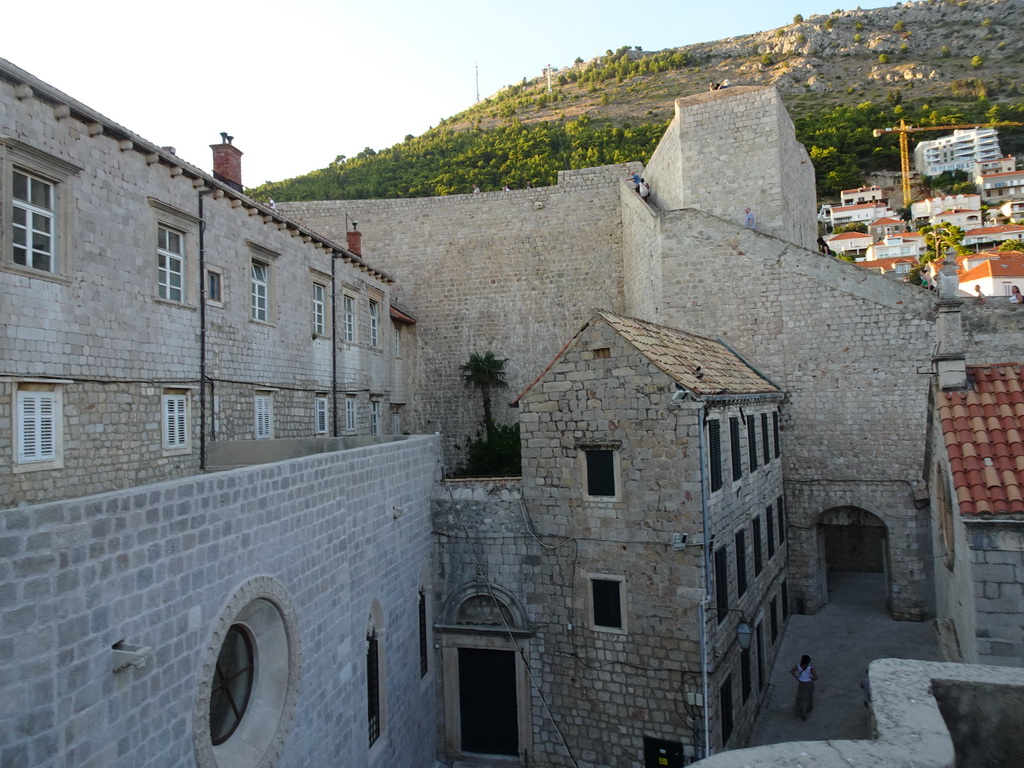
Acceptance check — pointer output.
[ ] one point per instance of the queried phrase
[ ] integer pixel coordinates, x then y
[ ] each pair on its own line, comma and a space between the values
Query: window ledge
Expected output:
178, 304
37, 273
37, 466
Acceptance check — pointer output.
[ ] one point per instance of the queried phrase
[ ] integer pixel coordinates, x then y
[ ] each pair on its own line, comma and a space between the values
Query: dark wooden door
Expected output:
487, 701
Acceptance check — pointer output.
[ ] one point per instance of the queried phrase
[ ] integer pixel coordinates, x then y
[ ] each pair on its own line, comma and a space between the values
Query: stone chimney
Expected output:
227, 162
355, 240
949, 359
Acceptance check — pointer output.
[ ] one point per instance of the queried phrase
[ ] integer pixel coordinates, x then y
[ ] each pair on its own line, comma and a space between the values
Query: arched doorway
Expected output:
854, 547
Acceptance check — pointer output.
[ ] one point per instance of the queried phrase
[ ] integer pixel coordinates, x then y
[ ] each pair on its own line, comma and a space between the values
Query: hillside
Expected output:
932, 62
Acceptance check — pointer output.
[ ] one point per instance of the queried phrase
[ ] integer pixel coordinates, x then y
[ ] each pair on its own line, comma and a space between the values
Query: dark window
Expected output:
601, 473
213, 290
765, 451
722, 583
734, 440
745, 673
741, 563
757, 546
232, 684
715, 451
780, 510
769, 530
607, 603
775, 620
775, 431
785, 600
423, 634
759, 634
659, 753
725, 705
752, 442
372, 686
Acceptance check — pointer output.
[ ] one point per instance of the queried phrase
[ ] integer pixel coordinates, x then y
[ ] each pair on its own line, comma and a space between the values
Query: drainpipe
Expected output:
202, 329
334, 347
707, 579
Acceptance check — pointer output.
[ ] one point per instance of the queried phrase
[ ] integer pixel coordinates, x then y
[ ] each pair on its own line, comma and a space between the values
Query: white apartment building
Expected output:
999, 187
957, 152
925, 209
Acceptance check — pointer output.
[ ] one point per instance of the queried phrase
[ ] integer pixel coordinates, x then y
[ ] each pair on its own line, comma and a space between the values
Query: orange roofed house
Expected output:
976, 478
995, 275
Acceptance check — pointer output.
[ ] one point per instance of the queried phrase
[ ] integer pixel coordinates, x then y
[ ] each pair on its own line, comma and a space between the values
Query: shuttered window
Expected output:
775, 431
765, 451
350, 413
725, 707
722, 583
752, 442
175, 419
781, 511
320, 414
38, 412
741, 563
600, 472
607, 595
769, 532
373, 686
745, 673
264, 413
734, 442
424, 654
715, 453
757, 545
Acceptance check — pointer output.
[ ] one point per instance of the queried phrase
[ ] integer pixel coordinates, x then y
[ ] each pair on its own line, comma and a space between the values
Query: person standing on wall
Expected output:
805, 679
748, 219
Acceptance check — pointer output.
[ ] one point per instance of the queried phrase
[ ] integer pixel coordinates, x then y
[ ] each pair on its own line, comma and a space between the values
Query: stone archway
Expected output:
852, 540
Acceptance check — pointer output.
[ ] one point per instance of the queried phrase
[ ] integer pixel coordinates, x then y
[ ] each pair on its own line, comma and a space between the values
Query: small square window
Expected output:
214, 286
600, 469
602, 353
606, 594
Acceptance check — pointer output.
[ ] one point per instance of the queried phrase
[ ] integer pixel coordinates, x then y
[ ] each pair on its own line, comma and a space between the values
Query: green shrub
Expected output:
798, 19
883, 58
496, 455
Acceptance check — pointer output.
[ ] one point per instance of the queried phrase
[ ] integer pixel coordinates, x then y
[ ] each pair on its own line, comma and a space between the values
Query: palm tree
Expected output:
485, 372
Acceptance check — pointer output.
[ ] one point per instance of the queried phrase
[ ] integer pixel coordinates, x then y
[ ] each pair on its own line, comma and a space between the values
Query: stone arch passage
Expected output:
854, 541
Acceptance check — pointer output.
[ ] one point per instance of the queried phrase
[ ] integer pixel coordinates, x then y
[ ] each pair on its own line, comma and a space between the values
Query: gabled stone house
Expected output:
655, 551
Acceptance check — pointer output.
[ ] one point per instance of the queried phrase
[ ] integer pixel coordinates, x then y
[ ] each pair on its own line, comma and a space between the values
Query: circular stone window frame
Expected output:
263, 607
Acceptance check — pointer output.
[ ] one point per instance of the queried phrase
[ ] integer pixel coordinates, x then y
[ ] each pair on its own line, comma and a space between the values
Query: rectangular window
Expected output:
734, 441
769, 532
175, 419
170, 255
745, 673
775, 620
601, 473
715, 453
375, 417
350, 413
319, 309
607, 601
757, 545
785, 600
214, 286
349, 308
260, 291
263, 406
397, 336
374, 323
424, 654
759, 635
741, 563
722, 583
725, 709
396, 424
752, 442
765, 450
780, 511
39, 418
373, 686
320, 414
34, 223
775, 431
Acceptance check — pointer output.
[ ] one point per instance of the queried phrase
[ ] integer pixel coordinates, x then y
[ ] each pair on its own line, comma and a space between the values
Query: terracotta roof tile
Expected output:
982, 430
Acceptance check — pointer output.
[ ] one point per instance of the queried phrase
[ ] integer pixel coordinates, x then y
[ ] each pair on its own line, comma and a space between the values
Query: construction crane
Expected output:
903, 129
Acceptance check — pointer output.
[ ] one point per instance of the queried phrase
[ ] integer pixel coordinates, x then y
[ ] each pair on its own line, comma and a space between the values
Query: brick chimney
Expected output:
227, 162
355, 240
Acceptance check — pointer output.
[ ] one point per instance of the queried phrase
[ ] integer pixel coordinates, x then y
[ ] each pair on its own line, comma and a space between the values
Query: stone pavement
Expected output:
851, 631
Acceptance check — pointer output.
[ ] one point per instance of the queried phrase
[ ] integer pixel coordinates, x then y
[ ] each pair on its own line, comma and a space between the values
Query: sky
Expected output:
299, 82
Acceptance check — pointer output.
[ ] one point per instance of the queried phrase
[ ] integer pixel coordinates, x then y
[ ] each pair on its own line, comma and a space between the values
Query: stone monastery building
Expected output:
226, 531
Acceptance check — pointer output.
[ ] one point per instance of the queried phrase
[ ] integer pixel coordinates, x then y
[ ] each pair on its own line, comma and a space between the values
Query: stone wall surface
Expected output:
997, 569
155, 565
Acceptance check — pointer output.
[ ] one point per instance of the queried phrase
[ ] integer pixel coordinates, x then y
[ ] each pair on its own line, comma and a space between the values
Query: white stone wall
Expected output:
100, 327
155, 565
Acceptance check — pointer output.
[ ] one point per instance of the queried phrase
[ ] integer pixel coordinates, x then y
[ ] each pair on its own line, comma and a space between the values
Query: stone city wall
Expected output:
155, 566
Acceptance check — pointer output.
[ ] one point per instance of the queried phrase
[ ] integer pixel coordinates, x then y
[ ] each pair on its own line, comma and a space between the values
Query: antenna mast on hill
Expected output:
476, 66
549, 78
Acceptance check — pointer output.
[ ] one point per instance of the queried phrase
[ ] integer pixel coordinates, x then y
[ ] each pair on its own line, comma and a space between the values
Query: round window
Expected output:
232, 684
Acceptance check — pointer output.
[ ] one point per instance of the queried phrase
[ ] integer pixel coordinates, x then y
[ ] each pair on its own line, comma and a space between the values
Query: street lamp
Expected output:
744, 634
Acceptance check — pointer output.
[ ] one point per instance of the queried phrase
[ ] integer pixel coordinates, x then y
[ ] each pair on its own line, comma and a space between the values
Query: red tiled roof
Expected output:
997, 230
887, 264
982, 428
1004, 173
849, 236
874, 204
1001, 264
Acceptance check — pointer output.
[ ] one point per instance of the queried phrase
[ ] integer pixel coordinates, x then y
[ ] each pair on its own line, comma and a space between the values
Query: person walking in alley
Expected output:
805, 677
